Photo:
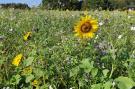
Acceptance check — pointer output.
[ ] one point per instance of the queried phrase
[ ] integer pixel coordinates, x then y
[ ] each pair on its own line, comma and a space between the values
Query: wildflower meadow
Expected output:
52, 49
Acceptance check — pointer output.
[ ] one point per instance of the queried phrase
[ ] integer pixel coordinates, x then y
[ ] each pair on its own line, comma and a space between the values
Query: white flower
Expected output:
72, 15
103, 65
71, 88
96, 37
119, 37
11, 30
133, 28
101, 23
50, 87
129, 17
2, 37
113, 84
6, 87
129, 9
79, 0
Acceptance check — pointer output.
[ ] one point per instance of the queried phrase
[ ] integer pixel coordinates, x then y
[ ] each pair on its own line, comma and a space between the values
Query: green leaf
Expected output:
86, 65
105, 72
82, 82
33, 52
96, 86
94, 72
28, 61
29, 78
1, 44
44, 86
74, 71
108, 85
15, 79
124, 82
38, 73
1, 62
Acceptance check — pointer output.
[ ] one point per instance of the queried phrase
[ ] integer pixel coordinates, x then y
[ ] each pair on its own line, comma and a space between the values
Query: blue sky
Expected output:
29, 2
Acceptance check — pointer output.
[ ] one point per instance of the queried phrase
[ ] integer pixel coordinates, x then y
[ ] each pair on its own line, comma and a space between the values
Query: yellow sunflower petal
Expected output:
86, 27
16, 61
27, 35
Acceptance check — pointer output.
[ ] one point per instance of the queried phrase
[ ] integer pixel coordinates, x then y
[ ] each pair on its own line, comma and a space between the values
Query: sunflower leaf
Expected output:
124, 82
86, 65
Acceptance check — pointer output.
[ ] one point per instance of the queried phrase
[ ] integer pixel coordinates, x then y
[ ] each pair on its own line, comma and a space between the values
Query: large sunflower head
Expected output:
86, 27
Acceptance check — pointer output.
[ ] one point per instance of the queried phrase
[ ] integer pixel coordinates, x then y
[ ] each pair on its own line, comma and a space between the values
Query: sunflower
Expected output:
86, 27
16, 61
26, 36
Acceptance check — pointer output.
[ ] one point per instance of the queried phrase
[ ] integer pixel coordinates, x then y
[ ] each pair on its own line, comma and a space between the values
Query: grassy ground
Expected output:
53, 57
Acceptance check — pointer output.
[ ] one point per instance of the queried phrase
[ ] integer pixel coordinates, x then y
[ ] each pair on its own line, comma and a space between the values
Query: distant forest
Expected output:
88, 4
77, 4
15, 6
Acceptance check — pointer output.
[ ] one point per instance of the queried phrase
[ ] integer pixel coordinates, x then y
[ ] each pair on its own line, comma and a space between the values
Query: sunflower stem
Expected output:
111, 71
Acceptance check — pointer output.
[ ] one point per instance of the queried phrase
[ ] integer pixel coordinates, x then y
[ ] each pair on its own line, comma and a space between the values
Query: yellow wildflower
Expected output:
26, 36
27, 70
16, 61
35, 83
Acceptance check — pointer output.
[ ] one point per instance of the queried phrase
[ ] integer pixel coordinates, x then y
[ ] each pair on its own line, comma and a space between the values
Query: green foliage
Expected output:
86, 65
124, 82
15, 6
28, 61
89, 4
15, 79
105, 72
29, 78
57, 59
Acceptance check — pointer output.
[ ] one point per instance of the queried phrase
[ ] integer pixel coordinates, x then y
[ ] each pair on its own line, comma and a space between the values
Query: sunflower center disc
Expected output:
86, 27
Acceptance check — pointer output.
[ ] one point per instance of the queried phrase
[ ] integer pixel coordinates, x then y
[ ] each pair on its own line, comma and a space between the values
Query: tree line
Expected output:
15, 6
88, 4
77, 4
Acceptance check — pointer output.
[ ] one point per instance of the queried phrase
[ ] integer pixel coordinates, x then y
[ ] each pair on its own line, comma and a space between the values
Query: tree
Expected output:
62, 4
86, 4
15, 6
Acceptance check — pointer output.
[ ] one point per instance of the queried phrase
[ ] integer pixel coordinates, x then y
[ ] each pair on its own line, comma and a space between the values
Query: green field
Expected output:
55, 58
